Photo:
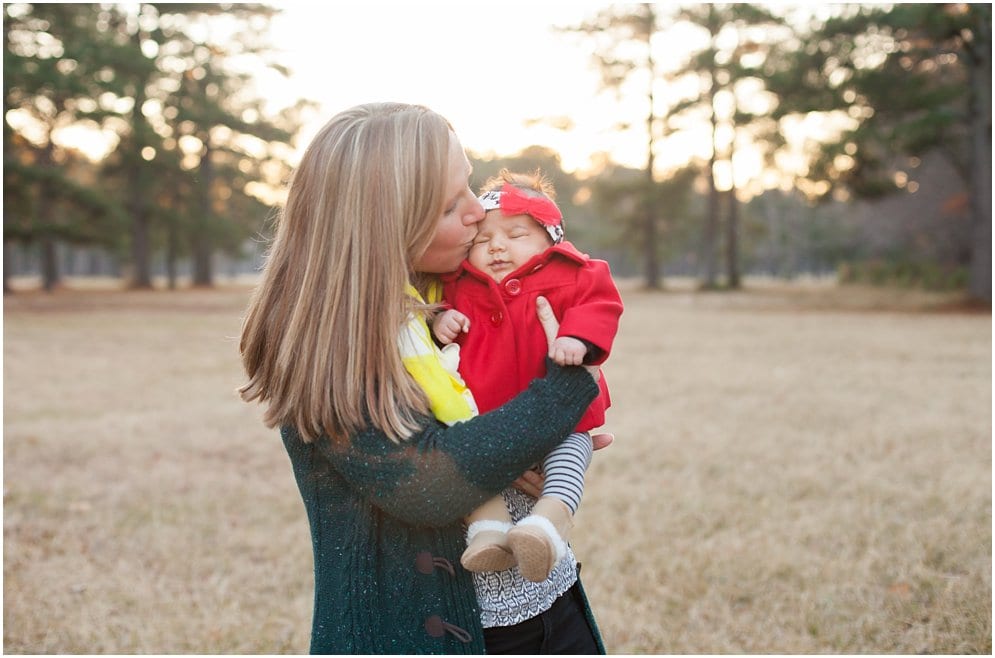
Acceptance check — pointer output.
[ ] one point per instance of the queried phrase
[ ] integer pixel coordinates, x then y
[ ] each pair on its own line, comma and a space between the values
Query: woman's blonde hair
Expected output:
320, 339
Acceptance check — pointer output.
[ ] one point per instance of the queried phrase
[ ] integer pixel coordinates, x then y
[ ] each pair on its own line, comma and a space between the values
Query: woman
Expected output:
381, 199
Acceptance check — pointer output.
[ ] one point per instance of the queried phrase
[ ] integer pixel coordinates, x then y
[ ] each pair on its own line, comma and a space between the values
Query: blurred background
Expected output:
795, 200
150, 143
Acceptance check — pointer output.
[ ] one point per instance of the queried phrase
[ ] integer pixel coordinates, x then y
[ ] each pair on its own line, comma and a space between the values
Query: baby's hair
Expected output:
534, 184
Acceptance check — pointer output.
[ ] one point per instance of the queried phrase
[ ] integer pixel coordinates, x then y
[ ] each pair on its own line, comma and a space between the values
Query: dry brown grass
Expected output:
797, 470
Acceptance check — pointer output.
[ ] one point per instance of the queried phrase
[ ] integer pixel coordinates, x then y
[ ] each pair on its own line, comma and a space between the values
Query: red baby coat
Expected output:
505, 348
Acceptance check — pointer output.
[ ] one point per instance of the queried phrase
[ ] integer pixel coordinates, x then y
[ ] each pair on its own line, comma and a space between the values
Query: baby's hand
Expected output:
568, 351
449, 324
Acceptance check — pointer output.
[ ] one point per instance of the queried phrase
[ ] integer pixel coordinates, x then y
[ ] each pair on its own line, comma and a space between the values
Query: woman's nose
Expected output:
475, 214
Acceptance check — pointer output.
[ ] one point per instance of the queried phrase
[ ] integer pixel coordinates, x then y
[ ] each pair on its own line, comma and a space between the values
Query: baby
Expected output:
519, 254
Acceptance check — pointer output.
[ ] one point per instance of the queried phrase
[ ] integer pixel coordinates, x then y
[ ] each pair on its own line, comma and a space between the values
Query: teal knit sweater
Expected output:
386, 519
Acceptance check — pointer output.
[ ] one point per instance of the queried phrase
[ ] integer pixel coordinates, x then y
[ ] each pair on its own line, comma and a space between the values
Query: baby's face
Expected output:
505, 243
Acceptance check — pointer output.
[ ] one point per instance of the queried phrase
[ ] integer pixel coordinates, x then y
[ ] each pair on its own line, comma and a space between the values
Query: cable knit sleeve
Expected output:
441, 474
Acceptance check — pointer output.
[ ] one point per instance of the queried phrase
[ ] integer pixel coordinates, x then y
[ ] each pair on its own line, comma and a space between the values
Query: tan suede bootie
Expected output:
487, 547
539, 540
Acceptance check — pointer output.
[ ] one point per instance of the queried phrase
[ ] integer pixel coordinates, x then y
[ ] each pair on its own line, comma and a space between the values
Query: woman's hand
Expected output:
550, 325
531, 481
602, 440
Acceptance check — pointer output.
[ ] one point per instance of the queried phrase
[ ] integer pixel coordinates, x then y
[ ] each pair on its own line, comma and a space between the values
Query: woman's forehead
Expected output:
459, 165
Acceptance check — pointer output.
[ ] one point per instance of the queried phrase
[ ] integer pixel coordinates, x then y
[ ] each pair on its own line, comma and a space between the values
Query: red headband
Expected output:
541, 209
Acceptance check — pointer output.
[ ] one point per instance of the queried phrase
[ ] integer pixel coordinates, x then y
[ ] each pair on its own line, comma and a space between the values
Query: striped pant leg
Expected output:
565, 467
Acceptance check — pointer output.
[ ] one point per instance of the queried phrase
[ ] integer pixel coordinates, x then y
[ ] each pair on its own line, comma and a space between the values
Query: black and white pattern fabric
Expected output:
505, 597
555, 232
565, 467
492, 200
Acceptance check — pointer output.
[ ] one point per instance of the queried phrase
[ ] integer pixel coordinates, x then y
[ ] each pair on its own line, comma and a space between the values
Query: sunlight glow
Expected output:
487, 71
506, 80
89, 140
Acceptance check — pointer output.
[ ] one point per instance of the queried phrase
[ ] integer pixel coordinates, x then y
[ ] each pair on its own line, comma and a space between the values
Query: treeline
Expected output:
922, 239
865, 111
194, 153
858, 97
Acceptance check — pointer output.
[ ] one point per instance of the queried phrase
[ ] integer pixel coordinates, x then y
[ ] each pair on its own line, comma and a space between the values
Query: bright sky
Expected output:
487, 67
500, 72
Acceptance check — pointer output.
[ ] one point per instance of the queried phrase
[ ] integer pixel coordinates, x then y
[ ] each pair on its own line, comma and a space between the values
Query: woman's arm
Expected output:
441, 474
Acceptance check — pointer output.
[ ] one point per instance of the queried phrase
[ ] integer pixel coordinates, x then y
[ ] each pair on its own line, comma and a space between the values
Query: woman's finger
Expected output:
530, 483
550, 325
602, 440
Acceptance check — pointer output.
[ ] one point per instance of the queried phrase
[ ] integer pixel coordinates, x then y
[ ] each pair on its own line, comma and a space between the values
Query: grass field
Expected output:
797, 470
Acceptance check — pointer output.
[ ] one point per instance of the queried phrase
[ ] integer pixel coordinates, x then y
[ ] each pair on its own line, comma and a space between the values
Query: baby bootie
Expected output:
539, 540
487, 547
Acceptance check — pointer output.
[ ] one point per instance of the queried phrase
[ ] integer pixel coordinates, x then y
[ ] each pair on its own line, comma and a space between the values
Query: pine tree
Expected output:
626, 37
52, 57
192, 155
624, 52
910, 79
734, 37
195, 146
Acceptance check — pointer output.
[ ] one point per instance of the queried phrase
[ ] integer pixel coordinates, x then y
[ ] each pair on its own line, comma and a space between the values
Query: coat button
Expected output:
434, 627
426, 563
423, 563
513, 286
496, 318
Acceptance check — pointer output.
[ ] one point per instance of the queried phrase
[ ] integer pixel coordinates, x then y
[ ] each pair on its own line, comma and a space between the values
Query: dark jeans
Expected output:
563, 629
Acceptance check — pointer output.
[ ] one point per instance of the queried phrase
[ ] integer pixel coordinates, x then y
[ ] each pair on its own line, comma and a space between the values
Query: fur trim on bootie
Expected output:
537, 546
487, 547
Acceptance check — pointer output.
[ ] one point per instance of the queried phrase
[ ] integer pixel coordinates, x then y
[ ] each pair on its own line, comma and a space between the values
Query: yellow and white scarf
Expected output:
434, 369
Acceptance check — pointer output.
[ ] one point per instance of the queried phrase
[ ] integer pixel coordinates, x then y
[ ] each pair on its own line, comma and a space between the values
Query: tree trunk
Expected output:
649, 244
649, 221
980, 179
711, 233
203, 276
202, 248
732, 218
50, 275
172, 248
7, 267
732, 241
142, 275
50, 278
139, 190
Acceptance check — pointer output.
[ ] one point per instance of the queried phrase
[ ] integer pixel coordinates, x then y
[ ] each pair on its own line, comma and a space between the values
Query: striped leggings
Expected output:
565, 467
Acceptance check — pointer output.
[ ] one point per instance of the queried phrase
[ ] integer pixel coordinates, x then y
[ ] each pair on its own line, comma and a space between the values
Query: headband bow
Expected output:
512, 201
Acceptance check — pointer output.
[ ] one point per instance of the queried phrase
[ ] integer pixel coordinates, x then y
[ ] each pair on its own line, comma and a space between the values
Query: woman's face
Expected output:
457, 226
